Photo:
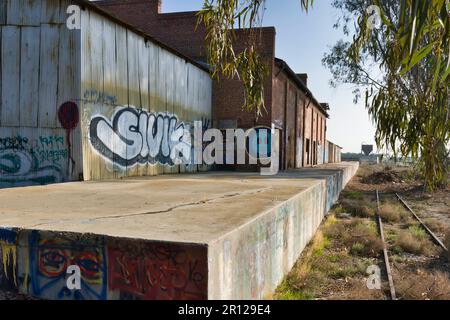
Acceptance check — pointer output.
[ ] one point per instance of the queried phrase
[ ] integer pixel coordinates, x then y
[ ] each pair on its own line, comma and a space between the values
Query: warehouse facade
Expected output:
109, 99
101, 102
290, 105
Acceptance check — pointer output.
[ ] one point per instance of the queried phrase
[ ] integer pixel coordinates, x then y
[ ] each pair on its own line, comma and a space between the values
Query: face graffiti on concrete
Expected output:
8, 258
49, 261
39, 263
139, 137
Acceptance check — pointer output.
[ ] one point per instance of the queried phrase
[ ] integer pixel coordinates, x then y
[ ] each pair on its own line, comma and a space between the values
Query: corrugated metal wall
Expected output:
135, 95
39, 87
56, 83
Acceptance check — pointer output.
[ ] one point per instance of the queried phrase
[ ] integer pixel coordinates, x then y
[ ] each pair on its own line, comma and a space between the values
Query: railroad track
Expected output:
435, 239
385, 252
424, 226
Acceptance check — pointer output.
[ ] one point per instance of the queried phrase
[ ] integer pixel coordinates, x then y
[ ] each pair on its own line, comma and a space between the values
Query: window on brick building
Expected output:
307, 151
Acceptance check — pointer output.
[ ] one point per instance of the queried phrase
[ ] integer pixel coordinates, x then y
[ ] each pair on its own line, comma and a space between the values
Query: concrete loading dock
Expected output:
207, 236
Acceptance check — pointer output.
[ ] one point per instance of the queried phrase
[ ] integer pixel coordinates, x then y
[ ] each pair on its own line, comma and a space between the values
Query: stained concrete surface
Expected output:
193, 208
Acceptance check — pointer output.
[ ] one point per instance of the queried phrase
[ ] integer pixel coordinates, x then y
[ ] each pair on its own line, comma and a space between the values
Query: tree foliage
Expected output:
408, 99
403, 66
221, 19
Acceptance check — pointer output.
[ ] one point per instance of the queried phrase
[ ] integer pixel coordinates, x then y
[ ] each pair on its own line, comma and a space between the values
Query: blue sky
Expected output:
302, 40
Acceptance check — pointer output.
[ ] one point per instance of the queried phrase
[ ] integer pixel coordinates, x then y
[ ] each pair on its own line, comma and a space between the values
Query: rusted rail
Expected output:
435, 238
385, 252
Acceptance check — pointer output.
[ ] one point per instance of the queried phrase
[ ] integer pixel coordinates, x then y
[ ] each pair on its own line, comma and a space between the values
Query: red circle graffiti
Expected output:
68, 115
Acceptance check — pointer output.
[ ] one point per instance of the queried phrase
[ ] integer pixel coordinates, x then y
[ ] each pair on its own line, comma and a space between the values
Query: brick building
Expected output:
290, 105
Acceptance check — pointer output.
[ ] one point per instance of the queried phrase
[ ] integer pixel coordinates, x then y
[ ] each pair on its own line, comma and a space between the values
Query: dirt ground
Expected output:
336, 263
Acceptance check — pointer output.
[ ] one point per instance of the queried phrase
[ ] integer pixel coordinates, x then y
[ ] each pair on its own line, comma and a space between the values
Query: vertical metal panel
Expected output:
31, 12
85, 84
170, 94
95, 62
109, 80
180, 94
68, 66
121, 74
192, 92
161, 92
29, 76
2, 12
133, 82
23, 12
153, 75
13, 12
122, 66
52, 11
153, 67
109, 57
48, 75
143, 62
10, 76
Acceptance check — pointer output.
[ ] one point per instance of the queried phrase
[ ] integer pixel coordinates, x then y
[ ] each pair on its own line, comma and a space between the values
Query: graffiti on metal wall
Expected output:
158, 271
40, 159
97, 97
49, 260
134, 136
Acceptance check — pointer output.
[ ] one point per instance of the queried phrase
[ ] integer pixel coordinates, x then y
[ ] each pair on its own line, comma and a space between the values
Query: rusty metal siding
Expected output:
128, 78
39, 66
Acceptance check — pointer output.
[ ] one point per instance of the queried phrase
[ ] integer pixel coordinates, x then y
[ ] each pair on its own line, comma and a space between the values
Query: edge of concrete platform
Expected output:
251, 261
34, 262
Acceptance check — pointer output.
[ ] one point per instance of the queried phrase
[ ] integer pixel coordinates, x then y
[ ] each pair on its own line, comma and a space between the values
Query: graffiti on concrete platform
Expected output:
134, 137
8, 249
25, 160
158, 271
41, 264
49, 259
